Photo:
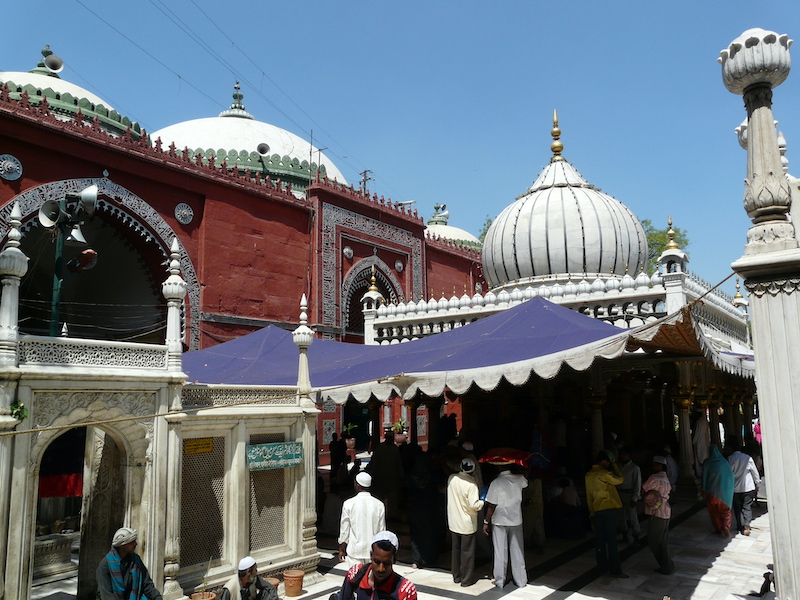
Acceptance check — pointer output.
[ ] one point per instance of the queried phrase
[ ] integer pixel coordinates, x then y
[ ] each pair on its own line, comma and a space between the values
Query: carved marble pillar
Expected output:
748, 401
375, 418
412, 422
172, 548
728, 403
433, 405
713, 409
13, 265
683, 402
597, 402
21, 528
754, 64
174, 291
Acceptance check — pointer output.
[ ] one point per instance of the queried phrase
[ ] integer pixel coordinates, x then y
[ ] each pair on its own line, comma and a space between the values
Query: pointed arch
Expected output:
127, 210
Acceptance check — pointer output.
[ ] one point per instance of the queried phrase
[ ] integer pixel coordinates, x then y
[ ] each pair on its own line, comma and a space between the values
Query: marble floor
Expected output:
708, 567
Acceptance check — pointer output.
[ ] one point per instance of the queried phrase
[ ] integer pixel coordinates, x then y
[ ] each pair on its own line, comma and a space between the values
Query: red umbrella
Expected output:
506, 456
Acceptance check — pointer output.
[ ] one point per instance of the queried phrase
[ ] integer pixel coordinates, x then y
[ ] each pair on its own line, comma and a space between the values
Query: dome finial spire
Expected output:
237, 108
557, 147
671, 244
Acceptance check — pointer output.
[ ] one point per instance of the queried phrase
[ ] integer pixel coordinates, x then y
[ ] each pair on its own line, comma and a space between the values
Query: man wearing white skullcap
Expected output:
463, 506
362, 517
377, 579
247, 585
121, 575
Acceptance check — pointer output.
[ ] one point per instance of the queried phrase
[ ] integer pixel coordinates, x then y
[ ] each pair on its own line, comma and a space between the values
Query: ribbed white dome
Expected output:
562, 224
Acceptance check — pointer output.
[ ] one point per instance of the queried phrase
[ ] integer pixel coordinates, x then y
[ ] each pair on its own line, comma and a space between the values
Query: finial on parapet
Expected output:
557, 147
671, 244
372, 286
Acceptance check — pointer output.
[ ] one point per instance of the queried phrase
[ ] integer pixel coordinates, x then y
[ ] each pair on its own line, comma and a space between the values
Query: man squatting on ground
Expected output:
377, 580
121, 575
247, 585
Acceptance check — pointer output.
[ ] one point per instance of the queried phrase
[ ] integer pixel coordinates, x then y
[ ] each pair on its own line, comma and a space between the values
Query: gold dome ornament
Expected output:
556, 147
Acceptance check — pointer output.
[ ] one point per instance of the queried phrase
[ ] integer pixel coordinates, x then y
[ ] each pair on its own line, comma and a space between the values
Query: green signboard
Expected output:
274, 456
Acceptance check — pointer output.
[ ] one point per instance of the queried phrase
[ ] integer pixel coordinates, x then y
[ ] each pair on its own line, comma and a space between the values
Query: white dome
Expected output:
58, 85
235, 129
561, 225
448, 232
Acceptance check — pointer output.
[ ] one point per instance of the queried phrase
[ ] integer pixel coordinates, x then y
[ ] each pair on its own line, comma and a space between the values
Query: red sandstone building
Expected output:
259, 222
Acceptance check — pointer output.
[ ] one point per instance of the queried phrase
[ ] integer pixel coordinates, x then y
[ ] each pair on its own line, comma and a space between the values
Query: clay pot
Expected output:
293, 583
203, 596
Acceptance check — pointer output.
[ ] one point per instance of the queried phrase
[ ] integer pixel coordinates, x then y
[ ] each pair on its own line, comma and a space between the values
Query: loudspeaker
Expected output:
50, 214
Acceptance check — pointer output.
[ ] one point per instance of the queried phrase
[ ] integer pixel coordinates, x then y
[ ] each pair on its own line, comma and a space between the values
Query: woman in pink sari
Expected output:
718, 486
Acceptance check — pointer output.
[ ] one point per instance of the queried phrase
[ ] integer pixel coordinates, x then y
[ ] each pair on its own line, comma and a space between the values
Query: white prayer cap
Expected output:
124, 535
660, 460
468, 446
386, 536
246, 563
468, 465
364, 479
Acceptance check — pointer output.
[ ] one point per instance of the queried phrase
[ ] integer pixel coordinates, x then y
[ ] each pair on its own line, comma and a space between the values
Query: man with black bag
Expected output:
377, 579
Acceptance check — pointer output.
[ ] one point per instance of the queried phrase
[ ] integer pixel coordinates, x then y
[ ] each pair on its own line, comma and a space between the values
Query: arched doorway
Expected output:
354, 287
81, 503
132, 242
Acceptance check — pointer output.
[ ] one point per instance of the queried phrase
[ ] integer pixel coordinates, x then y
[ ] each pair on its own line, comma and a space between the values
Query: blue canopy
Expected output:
535, 336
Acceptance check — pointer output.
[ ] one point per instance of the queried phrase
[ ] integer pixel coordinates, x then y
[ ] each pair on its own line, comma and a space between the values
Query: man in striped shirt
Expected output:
656, 504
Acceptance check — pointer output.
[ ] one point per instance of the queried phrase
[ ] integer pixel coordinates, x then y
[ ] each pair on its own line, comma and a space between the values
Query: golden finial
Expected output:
738, 295
671, 244
373, 287
557, 147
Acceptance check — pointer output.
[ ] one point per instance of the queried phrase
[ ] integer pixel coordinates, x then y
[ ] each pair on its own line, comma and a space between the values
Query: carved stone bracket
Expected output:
772, 287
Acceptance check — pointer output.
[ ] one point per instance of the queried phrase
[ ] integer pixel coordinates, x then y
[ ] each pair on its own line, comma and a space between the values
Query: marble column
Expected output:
597, 402
412, 422
713, 409
752, 65
686, 459
13, 266
748, 400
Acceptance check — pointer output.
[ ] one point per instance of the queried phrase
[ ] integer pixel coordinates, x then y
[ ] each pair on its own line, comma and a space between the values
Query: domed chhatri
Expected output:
756, 56
562, 225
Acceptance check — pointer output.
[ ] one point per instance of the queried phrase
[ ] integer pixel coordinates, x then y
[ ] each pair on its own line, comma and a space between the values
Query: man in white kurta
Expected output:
362, 518
463, 505
504, 516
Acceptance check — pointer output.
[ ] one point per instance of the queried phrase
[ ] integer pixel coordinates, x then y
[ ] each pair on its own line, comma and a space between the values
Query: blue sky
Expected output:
446, 101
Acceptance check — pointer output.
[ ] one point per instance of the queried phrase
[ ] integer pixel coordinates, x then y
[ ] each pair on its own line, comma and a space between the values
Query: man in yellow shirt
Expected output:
604, 506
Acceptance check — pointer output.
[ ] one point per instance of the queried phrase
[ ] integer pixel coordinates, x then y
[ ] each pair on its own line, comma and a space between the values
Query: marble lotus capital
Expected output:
756, 56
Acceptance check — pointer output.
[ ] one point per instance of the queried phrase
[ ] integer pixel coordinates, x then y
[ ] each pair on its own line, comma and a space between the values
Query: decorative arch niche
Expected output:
120, 298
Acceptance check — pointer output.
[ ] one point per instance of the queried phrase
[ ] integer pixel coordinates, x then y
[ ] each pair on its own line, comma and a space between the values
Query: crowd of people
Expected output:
496, 512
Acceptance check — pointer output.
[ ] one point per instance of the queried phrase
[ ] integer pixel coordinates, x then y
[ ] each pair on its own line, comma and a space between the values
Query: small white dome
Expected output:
58, 85
438, 227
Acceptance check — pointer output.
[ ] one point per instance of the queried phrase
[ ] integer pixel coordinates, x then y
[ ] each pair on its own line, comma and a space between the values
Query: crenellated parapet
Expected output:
132, 141
625, 302
322, 182
454, 246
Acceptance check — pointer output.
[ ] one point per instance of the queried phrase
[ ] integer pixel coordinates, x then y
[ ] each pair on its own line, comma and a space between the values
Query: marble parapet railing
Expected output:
198, 396
59, 351
626, 302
